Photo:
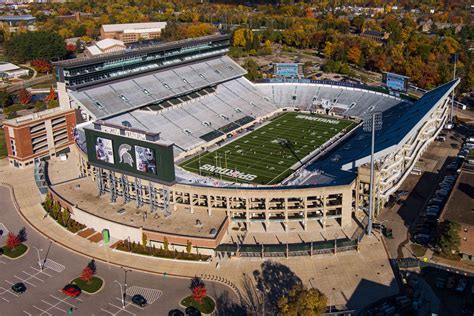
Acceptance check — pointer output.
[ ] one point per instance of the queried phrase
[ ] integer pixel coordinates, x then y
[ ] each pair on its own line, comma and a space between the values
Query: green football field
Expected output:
266, 155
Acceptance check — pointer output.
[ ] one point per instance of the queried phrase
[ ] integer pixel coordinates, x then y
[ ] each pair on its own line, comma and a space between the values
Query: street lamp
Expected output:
39, 257
371, 124
122, 293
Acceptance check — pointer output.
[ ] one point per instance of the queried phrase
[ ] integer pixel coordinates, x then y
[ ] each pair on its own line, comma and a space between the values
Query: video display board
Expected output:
286, 70
395, 82
131, 156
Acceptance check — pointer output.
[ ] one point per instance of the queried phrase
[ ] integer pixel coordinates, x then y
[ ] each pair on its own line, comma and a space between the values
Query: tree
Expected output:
449, 240
55, 209
65, 216
51, 95
24, 96
27, 46
301, 301
92, 266
48, 202
12, 241
22, 236
87, 274
144, 239
353, 55
198, 289
189, 247
165, 244
41, 65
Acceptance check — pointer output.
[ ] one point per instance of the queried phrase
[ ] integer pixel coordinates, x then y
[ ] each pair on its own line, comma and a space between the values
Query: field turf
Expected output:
266, 155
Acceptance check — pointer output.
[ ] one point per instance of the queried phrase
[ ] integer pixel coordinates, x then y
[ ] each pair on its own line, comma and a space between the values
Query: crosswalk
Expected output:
53, 265
151, 295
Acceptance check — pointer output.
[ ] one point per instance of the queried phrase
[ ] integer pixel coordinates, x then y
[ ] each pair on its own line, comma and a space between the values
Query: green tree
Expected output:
32, 45
252, 68
55, 210
189, 247
301, 301
144, 240
449, 240
166, 244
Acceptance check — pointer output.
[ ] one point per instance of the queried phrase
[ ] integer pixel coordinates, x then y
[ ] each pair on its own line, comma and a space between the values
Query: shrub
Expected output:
22, 236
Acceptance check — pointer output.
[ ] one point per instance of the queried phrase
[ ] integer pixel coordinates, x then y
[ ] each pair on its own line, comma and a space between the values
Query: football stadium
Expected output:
175, 133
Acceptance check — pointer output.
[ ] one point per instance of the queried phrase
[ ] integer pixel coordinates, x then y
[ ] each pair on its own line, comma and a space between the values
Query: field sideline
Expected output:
266, 155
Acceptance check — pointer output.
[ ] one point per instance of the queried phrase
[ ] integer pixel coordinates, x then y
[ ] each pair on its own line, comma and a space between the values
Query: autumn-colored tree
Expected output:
198, 289
41, 65
189, 246
87, 274
166, 244
301, 301
51, 95
12, 241
24, 96
71, 47
353, 55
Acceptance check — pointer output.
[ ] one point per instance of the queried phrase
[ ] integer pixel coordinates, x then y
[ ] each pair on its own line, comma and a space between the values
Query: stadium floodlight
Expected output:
372, 123
454, 59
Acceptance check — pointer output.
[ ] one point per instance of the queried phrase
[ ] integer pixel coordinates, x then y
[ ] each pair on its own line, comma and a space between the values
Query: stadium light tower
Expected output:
454, 59
372, 123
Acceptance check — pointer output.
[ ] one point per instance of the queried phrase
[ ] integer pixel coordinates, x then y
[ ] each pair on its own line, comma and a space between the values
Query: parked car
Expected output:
19, 288
461, 285
192, 311
72, 290
451, 282
175, 312
139, 300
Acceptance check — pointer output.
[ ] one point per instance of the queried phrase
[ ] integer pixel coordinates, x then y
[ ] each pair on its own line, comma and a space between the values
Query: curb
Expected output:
159, 258
93, 293
20, 256
212, 313
12, 194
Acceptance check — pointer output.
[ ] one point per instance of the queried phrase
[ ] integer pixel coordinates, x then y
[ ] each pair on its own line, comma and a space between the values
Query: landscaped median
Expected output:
199, 299
14, 247
88, 282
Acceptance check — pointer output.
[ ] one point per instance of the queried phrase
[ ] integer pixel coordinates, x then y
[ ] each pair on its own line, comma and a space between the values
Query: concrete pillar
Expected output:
247, 212
267, 215
305, 222
324, 211
209, 206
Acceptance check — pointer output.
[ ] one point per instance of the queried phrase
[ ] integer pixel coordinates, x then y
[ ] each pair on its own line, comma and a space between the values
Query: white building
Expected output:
9, 70
107, 45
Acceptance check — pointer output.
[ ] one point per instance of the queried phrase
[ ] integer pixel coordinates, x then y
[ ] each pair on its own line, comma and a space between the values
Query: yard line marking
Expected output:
24, 280
43, 311
54, 306
39, 271
32, 276
104, 310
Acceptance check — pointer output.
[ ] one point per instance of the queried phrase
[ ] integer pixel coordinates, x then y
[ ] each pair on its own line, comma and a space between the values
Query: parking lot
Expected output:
116, 307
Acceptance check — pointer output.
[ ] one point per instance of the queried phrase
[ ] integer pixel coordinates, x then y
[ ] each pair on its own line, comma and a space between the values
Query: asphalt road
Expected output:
44, 296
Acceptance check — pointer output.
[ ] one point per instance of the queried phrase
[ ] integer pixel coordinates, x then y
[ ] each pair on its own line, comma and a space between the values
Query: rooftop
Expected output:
459, 207
131, 26
13, 18
467, 239
36, 116
8, 67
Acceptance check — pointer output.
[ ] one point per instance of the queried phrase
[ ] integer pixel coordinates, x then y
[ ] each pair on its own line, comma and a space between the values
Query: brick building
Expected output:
38, 135
132, 32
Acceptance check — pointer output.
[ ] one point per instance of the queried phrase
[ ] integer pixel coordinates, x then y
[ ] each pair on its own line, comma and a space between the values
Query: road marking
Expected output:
151, 295
54, 306
42, 311
104, 310
62, 301
24, 280
53, 265
5, 299
27, 313
139, 307
122, 309
32, 276
11, 283
5, 230
1, 262
42, 272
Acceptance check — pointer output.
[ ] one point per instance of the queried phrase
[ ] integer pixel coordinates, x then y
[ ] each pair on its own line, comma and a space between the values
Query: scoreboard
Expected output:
395, 82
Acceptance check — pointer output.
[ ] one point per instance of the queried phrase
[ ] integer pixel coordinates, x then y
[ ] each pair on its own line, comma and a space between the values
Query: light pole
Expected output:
122, 293
455, 56
39, 257
371, 124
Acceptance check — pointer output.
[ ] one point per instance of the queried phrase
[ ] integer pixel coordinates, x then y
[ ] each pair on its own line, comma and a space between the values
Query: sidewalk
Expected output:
347, 278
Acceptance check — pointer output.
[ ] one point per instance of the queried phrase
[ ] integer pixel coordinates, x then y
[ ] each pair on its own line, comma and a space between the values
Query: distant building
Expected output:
9, 70
375, 35
13, 23
132, 32
76, 16
104, 46
38, 135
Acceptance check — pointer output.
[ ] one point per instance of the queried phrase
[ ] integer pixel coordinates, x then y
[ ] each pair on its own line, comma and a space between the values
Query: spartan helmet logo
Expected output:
124, 154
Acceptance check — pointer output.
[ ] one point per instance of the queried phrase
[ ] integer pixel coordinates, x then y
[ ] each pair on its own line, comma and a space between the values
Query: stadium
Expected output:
176, 131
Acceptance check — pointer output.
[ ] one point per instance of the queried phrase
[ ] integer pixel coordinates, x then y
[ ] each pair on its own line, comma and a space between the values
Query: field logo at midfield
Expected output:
229, 172
318, 119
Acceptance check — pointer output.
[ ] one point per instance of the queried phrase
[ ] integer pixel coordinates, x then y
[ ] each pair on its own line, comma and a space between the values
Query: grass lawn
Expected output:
266, 155
3, 145
418, 250
15, 253
206, 307
93, 286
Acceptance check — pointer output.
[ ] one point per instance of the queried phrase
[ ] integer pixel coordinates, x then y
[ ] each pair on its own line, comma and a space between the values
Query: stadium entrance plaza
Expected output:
348, 278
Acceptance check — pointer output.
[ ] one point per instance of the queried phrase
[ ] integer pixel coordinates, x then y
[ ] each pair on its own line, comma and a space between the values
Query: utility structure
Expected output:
372, 123
454, 60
